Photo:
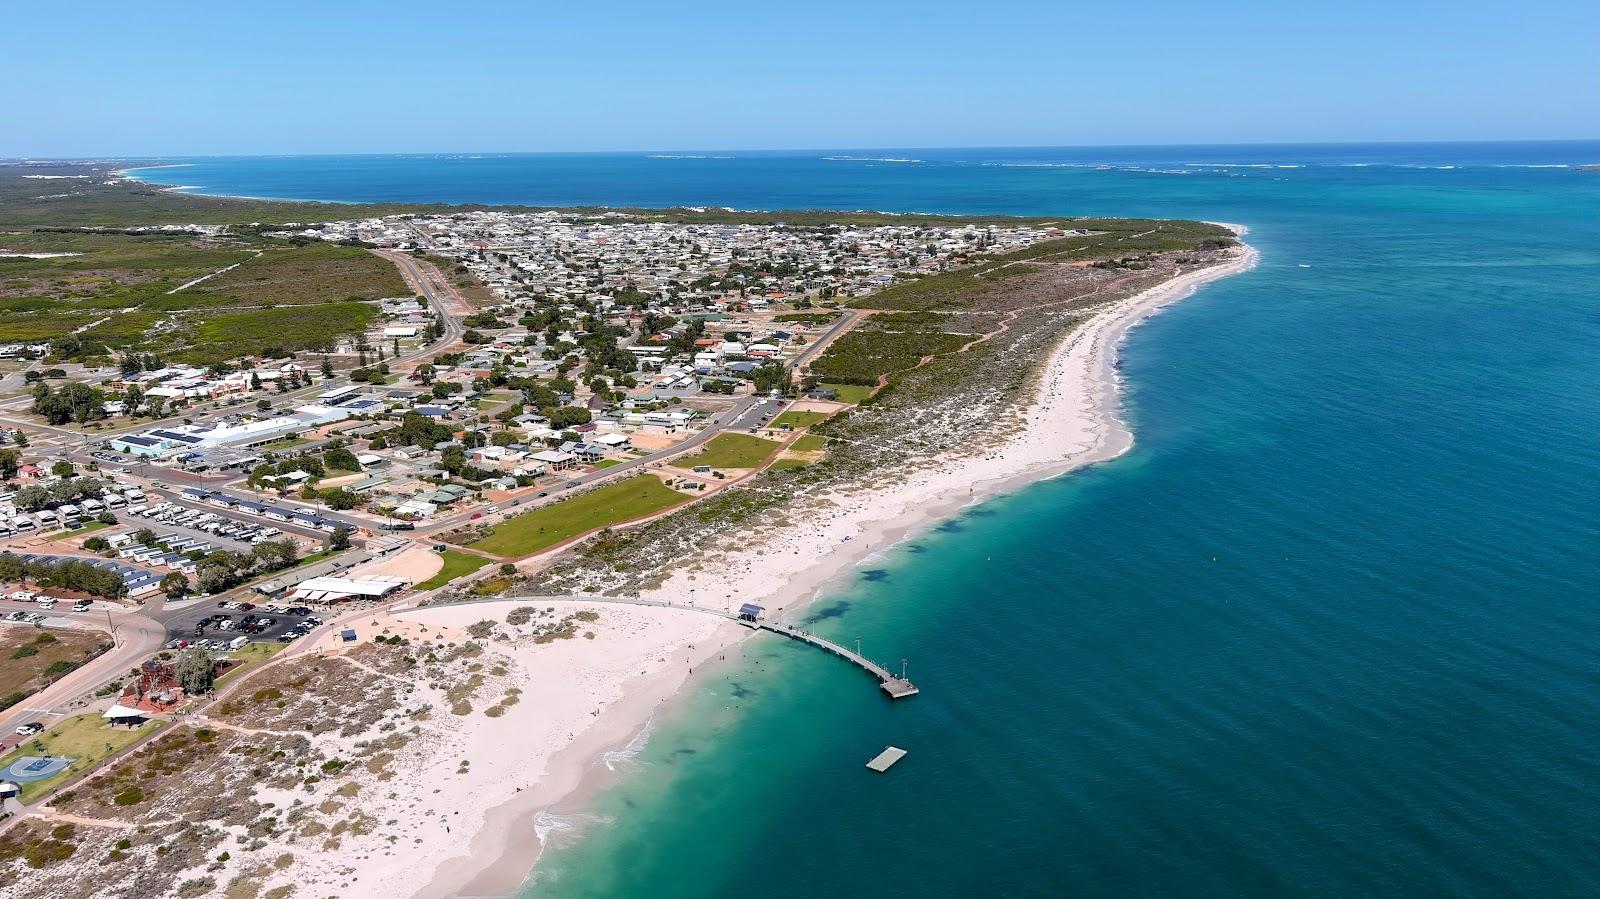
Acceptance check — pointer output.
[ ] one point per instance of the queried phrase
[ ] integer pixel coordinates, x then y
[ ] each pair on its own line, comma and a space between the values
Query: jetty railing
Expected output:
897, 687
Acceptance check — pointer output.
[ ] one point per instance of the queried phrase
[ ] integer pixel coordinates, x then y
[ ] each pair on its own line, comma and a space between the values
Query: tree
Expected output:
10, 463
174, 584
274, 553
563, 417
96, 544
339, 457
62, 468
214, 579
327, 367
340, 499
452, 459
144, 537
340, 538
11, 567
195, 672
31, 498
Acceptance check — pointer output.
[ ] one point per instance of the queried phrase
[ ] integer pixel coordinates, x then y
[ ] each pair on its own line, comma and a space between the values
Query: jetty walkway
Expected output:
895, 686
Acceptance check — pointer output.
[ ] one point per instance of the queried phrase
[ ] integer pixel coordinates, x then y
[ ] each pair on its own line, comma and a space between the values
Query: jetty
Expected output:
896, 686
750, 615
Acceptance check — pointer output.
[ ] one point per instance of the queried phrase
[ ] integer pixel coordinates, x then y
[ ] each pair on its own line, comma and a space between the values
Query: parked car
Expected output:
29, 729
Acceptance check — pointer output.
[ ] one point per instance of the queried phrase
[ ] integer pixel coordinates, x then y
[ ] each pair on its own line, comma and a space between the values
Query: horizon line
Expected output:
13, 159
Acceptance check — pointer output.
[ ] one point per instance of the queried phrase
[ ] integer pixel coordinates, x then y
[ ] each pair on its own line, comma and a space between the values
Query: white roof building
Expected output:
334, 589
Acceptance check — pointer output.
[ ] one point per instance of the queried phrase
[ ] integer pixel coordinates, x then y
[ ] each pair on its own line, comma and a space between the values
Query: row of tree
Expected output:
79, 577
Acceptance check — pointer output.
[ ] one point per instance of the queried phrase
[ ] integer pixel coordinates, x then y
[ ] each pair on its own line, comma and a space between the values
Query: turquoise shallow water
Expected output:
1330, 628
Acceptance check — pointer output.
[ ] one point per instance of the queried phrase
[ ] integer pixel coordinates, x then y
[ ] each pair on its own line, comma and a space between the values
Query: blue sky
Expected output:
197, 78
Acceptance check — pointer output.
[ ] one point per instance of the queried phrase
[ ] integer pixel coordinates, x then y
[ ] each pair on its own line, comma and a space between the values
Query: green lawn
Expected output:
286, 443
731, 451
850, 393
621, 502
607, 463
798, 420
89, 528
86, 738
809, 443
786, 464
456, 564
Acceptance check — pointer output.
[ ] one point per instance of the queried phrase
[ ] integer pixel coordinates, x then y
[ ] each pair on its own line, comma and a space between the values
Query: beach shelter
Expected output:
750, 611
121, 714
8, 789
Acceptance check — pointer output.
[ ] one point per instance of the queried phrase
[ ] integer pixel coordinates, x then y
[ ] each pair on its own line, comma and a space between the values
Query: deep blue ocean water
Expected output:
1331, 628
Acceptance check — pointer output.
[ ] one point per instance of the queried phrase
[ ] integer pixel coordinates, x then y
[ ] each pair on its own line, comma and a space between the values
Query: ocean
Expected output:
1332, 627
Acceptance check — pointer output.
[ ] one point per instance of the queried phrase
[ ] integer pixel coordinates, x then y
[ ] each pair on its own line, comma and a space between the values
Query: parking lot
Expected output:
209, 619
30, 612
213, 525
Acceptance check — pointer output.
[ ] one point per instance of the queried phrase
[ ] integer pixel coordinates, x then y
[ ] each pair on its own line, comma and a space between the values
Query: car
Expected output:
437, 547
23, 596
82, 605
16, 616
246, 606
543, 493
29, 729
476, 516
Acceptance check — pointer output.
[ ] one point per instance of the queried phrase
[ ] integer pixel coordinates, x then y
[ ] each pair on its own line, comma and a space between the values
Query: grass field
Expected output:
787, 463
615, 504
607, 463
798, 420
86, 738
850, 393
285, 443
456, 564
810, 443
731, 451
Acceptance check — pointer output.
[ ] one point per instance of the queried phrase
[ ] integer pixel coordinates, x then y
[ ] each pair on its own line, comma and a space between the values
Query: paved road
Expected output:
137, 634
826, 337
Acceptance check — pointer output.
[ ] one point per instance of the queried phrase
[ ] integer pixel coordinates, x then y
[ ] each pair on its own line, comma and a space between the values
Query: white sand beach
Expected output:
586, 697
